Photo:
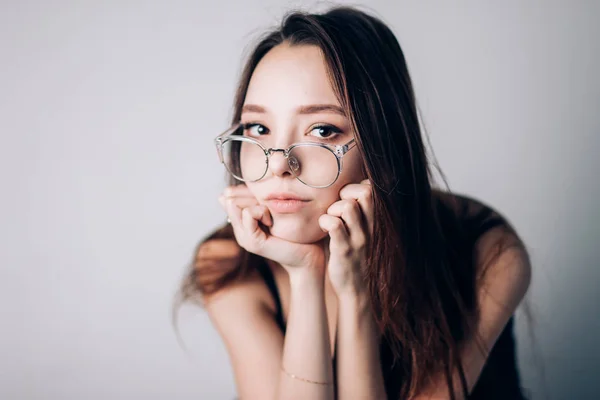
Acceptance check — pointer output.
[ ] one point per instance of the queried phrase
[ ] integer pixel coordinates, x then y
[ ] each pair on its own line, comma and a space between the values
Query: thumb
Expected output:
261, 213
250, 218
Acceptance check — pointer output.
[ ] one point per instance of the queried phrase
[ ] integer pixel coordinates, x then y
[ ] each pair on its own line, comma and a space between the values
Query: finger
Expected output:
337, 231
349, 211
262, 214
363, 193
241, 202
237, 191
251, 227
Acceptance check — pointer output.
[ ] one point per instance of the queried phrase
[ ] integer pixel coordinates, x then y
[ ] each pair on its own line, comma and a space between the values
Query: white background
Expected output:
109, 177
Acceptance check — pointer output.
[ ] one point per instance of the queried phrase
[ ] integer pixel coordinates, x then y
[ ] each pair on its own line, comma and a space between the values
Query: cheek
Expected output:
323, 198
327, 198
353, 168
253, 188
352, 172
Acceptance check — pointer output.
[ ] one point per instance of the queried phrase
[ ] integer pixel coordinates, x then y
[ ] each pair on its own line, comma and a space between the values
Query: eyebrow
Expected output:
303, 110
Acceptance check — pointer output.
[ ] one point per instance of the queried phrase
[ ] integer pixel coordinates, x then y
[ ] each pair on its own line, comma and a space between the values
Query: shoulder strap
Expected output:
267, 275
486, 221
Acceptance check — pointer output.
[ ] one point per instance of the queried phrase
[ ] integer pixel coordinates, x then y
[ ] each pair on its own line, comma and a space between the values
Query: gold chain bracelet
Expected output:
305, 380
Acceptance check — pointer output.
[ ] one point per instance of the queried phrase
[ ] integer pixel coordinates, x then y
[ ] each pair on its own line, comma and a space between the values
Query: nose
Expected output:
278, 164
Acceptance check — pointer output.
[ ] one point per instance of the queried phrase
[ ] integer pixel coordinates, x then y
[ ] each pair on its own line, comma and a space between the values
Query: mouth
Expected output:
285, 203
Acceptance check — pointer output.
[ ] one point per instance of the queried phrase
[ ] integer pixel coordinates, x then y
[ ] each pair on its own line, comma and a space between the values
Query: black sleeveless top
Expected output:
499, 379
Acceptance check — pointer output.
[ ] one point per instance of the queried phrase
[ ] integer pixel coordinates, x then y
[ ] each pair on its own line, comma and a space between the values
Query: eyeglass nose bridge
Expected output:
292, 162
272, 150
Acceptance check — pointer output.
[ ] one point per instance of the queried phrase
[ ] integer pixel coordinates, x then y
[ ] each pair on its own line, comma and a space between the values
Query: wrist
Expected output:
355, 300
306, 277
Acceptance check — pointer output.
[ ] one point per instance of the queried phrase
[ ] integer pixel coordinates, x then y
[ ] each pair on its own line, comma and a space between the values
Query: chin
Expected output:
293, 228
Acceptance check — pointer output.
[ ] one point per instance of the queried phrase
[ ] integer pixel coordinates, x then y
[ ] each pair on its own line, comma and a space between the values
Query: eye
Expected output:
254, 129
325, 131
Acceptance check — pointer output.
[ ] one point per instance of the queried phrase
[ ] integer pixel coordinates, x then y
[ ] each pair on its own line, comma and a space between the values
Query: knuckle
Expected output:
347, 251
367, 194
332, 208
360, 238
361, 243
349, 206
336, 225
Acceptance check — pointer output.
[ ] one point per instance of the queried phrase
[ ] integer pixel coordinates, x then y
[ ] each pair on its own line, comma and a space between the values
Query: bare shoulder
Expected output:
218, 255
465, 206
498, 241
503, 272
242, 313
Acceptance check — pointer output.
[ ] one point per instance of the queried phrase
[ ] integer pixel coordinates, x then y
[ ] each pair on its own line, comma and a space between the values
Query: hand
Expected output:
349, 223
251, 222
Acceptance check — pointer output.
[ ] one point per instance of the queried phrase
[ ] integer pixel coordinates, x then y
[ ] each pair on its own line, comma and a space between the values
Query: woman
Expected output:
342, 273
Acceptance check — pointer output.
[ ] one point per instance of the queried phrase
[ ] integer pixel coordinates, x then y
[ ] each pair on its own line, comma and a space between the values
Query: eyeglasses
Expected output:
317, 165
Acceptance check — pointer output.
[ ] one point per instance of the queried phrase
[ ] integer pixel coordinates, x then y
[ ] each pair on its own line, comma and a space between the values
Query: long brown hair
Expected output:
420, 270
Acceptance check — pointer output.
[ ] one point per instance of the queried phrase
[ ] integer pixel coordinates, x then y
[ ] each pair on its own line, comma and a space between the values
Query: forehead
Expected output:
289, 76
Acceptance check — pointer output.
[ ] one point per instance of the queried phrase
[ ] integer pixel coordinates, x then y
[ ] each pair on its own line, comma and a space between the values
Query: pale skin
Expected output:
316, 253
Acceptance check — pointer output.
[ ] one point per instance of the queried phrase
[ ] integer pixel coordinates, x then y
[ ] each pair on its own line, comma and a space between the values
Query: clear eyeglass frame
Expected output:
337, 150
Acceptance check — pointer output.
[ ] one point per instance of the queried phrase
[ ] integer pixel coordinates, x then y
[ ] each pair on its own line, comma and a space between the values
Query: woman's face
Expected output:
290, 100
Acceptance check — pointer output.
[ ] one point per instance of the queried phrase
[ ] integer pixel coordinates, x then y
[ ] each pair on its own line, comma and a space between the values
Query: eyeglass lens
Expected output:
312, 165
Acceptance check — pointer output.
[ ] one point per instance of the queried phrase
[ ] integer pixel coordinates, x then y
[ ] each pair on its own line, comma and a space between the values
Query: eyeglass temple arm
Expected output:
227, 133
344, 148
219, 141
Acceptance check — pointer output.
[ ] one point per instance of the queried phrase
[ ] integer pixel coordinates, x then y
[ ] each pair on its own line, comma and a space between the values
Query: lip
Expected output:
286, 206
284, 196
285, 202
